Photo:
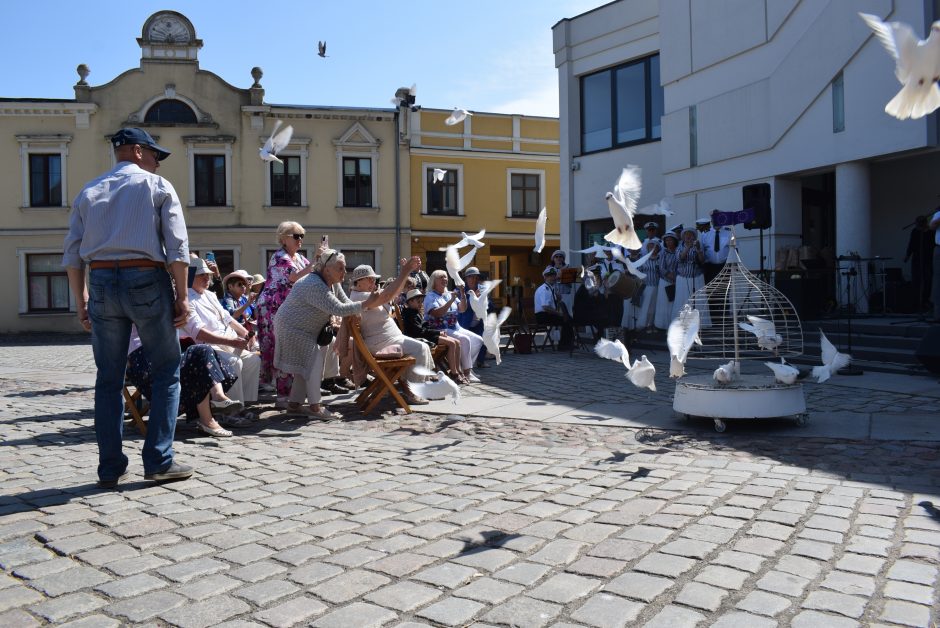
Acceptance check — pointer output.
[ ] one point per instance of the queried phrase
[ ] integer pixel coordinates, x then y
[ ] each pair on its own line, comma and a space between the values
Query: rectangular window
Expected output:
285, 182
838, 104
621, 106
525, 195
357, 182
442, 195
210, 180
45, 180
48, 283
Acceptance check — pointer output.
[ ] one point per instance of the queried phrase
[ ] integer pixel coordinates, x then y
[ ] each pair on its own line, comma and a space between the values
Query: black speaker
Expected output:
757, 197
928, 352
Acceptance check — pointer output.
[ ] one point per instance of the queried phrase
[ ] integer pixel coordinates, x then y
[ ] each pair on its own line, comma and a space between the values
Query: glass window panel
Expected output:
595, 112
517, 206
39, 293
170, 110
531, 200
631, 103
60, 292
365, 167
349, 166
657, 106
838, 104
293, 165
51, 263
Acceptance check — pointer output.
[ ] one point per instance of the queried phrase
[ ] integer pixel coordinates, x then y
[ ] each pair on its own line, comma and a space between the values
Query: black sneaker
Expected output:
114, 482
175, 471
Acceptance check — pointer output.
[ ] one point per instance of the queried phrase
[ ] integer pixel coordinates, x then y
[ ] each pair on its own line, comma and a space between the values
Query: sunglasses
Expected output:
297, 236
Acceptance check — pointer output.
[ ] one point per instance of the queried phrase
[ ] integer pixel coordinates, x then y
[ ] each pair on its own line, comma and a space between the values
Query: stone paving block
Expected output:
358, 614
314, 572
205, 613
815, 619
401, 564
404, 596
857, 563
134, 585
45, 568
764, 603
135, 565
19, 618
710, 534
451, 611
833, 524
848, 605
66, 606
558, 552
771, 530
524, 612
724, 577
620, 549
291, 612
245, 554
596, 566
75, 544
911, 571
186, 571
916, 593
813, 549
447, 575
522, 573
851, 583
207, 587
348, 586
69, 580
607, 611
675, 617
698, 595
743, 620
639, 586
300, 555
147, 606
823, 536
906, 614
664, 564
263, 593
647, 534
782, 583
762, 546
255, 572
688, 548
800, 566
444, 548
564, 588
486, 558
591, 532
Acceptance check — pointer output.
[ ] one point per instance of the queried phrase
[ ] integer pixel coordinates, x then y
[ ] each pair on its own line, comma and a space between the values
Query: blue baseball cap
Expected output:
133, 135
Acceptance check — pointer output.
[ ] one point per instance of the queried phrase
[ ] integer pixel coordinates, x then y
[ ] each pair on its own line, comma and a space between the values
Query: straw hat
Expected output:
361, 272
241, 274
412, 294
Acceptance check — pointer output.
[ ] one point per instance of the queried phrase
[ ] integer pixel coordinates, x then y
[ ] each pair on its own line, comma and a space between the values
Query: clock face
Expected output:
168, 29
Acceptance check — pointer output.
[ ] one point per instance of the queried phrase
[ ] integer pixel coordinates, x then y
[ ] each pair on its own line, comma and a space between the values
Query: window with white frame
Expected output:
44, 180
357, 162
357, 182
358, 257
210, 170
286, 183
443, 197
46, 283
526, 192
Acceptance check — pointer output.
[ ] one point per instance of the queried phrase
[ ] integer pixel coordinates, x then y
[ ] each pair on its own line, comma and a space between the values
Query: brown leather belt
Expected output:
126, 263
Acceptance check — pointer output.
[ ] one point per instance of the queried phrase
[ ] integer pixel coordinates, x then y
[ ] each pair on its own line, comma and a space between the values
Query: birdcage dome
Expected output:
744, 318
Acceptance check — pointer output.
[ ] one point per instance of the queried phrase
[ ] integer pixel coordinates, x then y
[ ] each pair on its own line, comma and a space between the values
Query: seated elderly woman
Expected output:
203, 382
305, 313
379, 331
440, 312
412, 318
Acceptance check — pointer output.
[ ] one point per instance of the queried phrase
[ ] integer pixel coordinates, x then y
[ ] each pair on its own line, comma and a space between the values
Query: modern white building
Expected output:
709, 97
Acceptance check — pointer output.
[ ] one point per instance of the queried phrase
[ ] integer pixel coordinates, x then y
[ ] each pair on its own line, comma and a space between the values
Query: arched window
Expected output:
170, 111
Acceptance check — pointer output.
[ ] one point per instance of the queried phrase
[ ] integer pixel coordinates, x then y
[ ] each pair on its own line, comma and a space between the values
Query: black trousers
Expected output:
551, 318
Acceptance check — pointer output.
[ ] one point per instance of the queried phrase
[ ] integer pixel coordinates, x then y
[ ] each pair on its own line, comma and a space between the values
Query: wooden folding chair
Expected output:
136, 406
534, 327
387, 371
438, 352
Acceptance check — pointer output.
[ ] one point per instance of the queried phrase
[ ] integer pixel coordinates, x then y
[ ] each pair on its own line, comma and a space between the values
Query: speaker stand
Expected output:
850, 275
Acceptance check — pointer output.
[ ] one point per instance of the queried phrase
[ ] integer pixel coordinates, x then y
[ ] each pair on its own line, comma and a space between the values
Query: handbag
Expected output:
671, 292
326, 335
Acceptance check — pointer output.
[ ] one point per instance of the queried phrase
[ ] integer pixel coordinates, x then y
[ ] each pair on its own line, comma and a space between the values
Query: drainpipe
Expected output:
397, 190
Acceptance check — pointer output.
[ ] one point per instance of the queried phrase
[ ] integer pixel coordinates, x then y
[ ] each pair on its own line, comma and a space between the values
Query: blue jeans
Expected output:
119, 297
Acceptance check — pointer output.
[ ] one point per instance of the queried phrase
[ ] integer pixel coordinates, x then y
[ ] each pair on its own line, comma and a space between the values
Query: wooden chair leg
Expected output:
130, 406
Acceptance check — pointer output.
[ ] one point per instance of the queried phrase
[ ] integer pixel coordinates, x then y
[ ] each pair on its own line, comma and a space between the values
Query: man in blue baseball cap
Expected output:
127, 226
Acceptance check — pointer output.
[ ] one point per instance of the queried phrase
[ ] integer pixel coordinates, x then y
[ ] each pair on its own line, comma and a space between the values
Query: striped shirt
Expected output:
668, 261
651, 268
127, 213
689, 267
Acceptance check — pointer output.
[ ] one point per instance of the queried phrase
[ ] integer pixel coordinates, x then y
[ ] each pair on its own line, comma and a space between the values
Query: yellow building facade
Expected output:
499, 172
345, 171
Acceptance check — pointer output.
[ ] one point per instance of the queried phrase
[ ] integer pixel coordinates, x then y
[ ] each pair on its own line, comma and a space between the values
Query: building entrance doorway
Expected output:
817, 253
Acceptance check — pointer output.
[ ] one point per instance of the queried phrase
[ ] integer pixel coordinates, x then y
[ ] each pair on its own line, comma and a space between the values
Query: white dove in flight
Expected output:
476, 240
455, 263
457, 116
832, 360
412, 91
682, 334
765, 331
783, 372
633, 266
917, 66
491, 333
643, 374
613, 351
661, 208
622, 205
440, 389
276, 143
438, 175
540, 230
725, 373
599, 250
480, 304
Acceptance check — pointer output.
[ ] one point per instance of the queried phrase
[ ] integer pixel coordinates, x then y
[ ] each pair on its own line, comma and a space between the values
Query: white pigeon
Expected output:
276, 143
440, 389
412, 91
613, 351
587, 277
643, 374
476, 240
660, 208
725, 373
455, 263
480, 304
783, 372
599, 250
682, 334
832, 360
457, 116
321, 48
764, 330
622, 205
917, 66
491, 333
634, 266
540, 231
438, 175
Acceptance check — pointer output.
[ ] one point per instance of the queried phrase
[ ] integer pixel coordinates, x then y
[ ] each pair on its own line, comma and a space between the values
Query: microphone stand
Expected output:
850, 275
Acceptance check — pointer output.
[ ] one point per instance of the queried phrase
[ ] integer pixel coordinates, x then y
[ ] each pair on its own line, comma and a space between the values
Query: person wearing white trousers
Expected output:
689, 276
668, 261
440, 311
647, 308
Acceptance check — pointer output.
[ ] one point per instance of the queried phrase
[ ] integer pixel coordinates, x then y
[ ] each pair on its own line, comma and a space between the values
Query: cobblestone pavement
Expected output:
450, 520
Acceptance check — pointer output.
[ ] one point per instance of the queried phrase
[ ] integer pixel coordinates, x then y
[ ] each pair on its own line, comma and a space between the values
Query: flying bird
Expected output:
917, 66
764, 330
476, 239
682, 334
480, 304
396, 100
643, 374
599, 250
457, 116
661, 208
622, 205
783, 372
455, 263
587, 278
321, 49
633, 266
438, 175
540, 231
832, 360
613, 351
276, 143
725, 373
491, 333
439, 389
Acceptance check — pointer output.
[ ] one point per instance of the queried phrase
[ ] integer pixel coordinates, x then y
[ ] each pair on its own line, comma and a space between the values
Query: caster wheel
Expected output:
801, 420
720, 426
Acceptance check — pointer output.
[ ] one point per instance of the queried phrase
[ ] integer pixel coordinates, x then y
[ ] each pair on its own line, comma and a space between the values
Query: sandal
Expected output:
218, 432
225, 406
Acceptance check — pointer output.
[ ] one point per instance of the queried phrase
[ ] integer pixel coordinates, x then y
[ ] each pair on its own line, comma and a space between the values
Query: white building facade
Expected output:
709, 97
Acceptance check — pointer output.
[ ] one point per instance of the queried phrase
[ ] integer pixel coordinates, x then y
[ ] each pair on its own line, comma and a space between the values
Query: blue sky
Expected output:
485, 55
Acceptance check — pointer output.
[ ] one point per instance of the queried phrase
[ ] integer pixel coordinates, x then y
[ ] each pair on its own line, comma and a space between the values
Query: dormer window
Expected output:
170, 111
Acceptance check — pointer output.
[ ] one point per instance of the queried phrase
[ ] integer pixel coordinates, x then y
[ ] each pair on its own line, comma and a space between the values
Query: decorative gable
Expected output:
357, 136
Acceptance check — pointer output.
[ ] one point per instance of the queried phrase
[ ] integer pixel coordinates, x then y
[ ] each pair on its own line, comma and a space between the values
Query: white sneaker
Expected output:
472, 378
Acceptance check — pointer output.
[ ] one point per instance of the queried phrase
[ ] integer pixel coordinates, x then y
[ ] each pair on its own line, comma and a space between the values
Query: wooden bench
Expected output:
386, 371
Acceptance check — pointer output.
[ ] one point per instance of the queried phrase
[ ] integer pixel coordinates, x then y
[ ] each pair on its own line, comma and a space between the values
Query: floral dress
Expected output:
277, 286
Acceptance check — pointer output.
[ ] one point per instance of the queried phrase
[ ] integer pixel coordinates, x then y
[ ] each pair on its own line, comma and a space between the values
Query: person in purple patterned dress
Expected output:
287, 265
